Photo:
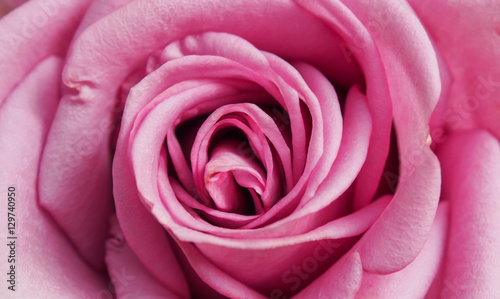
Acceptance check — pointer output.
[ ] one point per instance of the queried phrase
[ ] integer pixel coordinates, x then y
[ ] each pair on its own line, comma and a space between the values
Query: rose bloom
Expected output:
250, 149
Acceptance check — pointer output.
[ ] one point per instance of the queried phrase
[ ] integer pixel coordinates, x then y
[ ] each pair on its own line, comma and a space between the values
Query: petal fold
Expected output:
471, 183
130, 278
414, 280
45, 259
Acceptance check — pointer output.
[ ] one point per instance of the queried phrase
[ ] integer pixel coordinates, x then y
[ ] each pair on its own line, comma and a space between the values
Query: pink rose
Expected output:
211, 149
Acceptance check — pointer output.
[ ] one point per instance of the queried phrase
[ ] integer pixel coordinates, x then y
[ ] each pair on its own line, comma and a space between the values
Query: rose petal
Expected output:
263, 125
8, 5
343, 227
355, 112
360, 45
227, 170
151, 121
216, 217
146, 131
180, 154
32, 32
331, 120
97, 10
60, 180
71, 184
412, 76
471, 176
263, 262
140, 228
342, 280
377, 55
216, 278
130, 278
311, 40
397, 237
414, 280
467, 35
44, 258
314, 211
165, 217
217, 92
290, 84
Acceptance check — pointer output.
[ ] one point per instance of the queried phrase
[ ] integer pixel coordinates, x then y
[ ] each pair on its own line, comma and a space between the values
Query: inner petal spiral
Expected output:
259, 137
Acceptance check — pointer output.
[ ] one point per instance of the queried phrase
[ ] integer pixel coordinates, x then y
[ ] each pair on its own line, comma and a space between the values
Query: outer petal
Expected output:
141, 229
410, 65
213, 276
347, 24
46, 264
168, 21
7, 5
342, 280
60, 192
97, 10
471, 182
414, 280
31, 33
467, 35
398, 236
130, 278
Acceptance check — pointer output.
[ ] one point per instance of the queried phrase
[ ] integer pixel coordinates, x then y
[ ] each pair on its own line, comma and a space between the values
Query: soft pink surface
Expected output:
24, 44
471, 176
414, 280
73, 174
467, 34
47, 264
78, 154
130, 278
406, 57
7, 5
345, 72
142, 136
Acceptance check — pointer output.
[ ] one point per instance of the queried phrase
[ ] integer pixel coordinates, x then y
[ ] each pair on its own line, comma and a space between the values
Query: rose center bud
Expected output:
228, 171
236, 167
